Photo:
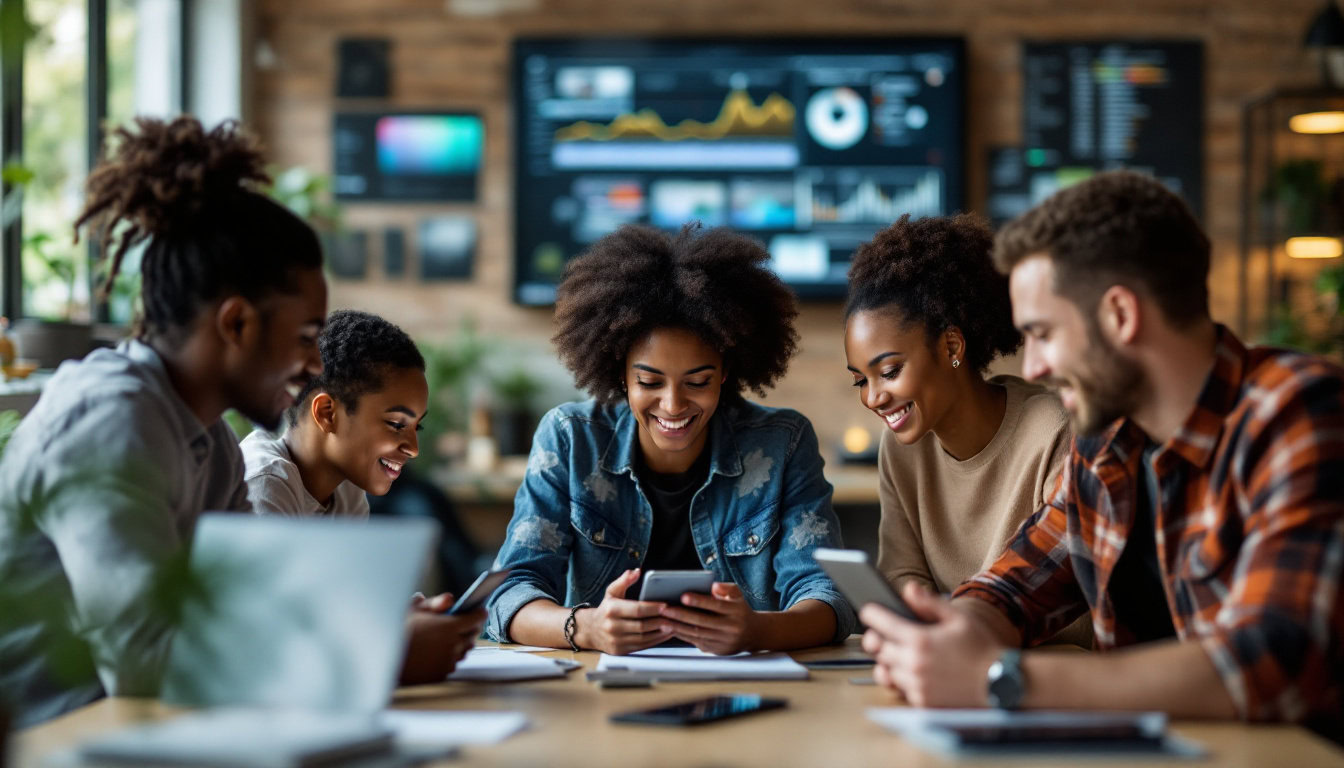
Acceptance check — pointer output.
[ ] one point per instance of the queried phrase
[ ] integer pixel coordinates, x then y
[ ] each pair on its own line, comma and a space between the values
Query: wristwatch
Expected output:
1006, 683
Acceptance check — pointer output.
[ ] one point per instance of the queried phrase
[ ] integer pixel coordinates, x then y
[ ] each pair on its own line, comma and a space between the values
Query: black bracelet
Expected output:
572, 626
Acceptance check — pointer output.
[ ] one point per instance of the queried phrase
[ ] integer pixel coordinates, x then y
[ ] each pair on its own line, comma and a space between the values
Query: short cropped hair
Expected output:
714, 283
936, 273
1118, 227
358, 351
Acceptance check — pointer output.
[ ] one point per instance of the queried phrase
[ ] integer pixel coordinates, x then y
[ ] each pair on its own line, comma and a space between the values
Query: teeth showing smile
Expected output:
895, 416
678, 424
294, 390
391, 465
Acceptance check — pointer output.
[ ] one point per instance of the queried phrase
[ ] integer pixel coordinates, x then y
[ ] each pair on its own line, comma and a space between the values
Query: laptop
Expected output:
304, 613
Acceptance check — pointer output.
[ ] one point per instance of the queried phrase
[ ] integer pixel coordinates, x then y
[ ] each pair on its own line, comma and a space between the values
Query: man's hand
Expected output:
618, 626
943, 664
722, 624
436, 641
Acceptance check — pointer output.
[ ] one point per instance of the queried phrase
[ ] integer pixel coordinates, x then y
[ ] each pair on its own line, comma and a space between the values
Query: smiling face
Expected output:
900, 376
673, 380
1065, 350
372, 444
283, 356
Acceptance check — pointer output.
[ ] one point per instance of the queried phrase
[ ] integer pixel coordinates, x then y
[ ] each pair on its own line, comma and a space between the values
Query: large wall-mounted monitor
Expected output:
809, 145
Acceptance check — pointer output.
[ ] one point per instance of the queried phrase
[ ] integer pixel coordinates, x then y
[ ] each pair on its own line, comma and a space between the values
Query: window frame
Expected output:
96, 81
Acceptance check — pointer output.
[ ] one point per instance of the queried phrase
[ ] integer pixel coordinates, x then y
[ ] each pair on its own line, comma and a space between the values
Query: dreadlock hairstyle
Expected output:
936, 272
192, 197
358, 351
714, 284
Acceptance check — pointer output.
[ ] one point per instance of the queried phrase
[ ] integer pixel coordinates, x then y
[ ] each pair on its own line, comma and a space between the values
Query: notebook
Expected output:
691, 664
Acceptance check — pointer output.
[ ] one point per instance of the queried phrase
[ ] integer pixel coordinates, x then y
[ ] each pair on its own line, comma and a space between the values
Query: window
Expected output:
136, 69
55, 125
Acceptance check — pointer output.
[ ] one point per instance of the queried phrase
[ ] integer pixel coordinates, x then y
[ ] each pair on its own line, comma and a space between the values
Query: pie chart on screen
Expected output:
837, 117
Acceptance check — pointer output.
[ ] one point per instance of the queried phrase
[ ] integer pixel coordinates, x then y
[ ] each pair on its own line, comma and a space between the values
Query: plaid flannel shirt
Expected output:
1250, 534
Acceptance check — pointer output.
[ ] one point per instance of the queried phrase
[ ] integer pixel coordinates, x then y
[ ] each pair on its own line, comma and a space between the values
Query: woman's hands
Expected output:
436, 641
722, 622
618, 626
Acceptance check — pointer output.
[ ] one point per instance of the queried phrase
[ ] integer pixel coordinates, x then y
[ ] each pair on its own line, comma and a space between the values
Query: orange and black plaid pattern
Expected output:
1250, 534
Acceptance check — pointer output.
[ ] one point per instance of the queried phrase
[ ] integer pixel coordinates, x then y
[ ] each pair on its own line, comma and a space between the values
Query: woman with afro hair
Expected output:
668, 466
964, 460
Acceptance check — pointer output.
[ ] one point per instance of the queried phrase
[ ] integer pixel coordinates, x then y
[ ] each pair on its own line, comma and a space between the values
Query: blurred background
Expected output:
455, 153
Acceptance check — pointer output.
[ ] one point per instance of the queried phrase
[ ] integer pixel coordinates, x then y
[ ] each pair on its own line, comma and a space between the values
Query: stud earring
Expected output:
956, 363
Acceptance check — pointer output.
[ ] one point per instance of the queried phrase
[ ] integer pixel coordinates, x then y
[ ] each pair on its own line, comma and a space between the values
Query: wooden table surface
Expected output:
824, 725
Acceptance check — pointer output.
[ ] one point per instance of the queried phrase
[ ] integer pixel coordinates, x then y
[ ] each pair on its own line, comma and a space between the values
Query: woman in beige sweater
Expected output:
964, 459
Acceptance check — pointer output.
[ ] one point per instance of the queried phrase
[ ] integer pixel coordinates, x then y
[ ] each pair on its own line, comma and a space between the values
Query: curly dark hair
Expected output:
713, 283
194, 197
358, 350
936, 272
1118, 227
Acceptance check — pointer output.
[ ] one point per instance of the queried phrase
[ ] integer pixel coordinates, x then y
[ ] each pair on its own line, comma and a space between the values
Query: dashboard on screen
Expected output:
810, 145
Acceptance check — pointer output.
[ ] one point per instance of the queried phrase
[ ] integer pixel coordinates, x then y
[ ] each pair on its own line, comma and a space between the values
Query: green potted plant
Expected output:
515, 417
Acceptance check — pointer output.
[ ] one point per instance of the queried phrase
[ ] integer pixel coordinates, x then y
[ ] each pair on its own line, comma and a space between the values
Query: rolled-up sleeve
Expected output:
539, 538
1032, 583
808, 522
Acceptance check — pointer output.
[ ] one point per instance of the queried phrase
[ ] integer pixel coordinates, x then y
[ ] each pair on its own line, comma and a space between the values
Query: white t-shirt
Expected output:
275, 487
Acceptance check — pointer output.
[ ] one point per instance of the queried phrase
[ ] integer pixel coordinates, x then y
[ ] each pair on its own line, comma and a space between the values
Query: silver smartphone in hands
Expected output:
669, 586
479, 591
860, 582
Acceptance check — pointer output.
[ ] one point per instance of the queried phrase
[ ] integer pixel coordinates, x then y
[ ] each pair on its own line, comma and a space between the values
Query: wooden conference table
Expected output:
824, 725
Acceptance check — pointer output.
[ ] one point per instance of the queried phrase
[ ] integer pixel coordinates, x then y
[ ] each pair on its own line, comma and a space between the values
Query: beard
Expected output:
1108, 386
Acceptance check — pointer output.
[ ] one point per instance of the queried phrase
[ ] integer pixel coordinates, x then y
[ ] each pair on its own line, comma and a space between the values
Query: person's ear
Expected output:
237, 322
954, 346
1118, 315
323, 412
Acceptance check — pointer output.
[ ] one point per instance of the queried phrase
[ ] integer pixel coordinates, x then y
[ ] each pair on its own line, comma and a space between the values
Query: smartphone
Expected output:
698, 711
669, 586
860, 582
479, 591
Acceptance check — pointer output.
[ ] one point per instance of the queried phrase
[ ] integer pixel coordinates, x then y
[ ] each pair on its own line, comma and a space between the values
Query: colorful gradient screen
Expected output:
407, 156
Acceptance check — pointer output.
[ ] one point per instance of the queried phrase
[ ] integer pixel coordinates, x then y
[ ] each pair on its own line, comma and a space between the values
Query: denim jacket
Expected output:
580, 517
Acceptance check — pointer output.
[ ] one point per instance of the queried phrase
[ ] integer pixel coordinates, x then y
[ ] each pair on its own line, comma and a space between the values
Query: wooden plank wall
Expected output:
445, 59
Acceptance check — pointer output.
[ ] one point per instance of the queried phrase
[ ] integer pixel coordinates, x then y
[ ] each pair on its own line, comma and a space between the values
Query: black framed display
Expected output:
810, 145
1089, 106
406, 155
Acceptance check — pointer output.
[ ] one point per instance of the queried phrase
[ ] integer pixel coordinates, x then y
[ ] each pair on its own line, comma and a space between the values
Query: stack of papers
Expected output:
496, 665
450, 728
1001, 732
673, 664
245, 738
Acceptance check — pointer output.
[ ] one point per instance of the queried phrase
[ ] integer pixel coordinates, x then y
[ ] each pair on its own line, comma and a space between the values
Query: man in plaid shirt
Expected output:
1200, 517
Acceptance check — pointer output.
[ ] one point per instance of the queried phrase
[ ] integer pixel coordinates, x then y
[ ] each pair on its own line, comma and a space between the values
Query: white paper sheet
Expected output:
684, 652
521, 648
493, 664
450, 728
683, 665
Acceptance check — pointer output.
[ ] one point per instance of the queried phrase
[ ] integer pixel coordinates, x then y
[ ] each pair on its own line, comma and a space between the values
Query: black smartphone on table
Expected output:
699, 711
479, 591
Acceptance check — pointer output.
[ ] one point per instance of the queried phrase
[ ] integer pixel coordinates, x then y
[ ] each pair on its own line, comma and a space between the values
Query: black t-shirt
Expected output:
1136, 583
670, 544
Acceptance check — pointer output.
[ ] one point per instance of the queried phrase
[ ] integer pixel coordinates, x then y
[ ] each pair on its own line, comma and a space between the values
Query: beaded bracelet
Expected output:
572, 626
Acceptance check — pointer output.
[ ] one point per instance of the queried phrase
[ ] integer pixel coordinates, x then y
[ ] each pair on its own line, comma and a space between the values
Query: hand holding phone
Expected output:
479, 591
861, 583
669, 586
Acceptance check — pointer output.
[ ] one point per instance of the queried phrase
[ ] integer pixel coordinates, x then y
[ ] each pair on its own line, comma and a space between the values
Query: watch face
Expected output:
1006, 685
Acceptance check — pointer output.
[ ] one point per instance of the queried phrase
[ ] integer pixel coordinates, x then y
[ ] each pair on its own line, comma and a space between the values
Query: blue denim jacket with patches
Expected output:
580, 517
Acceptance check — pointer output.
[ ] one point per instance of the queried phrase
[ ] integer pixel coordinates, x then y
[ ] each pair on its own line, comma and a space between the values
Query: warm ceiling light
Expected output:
1317, 122
857, 440
1314, 247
